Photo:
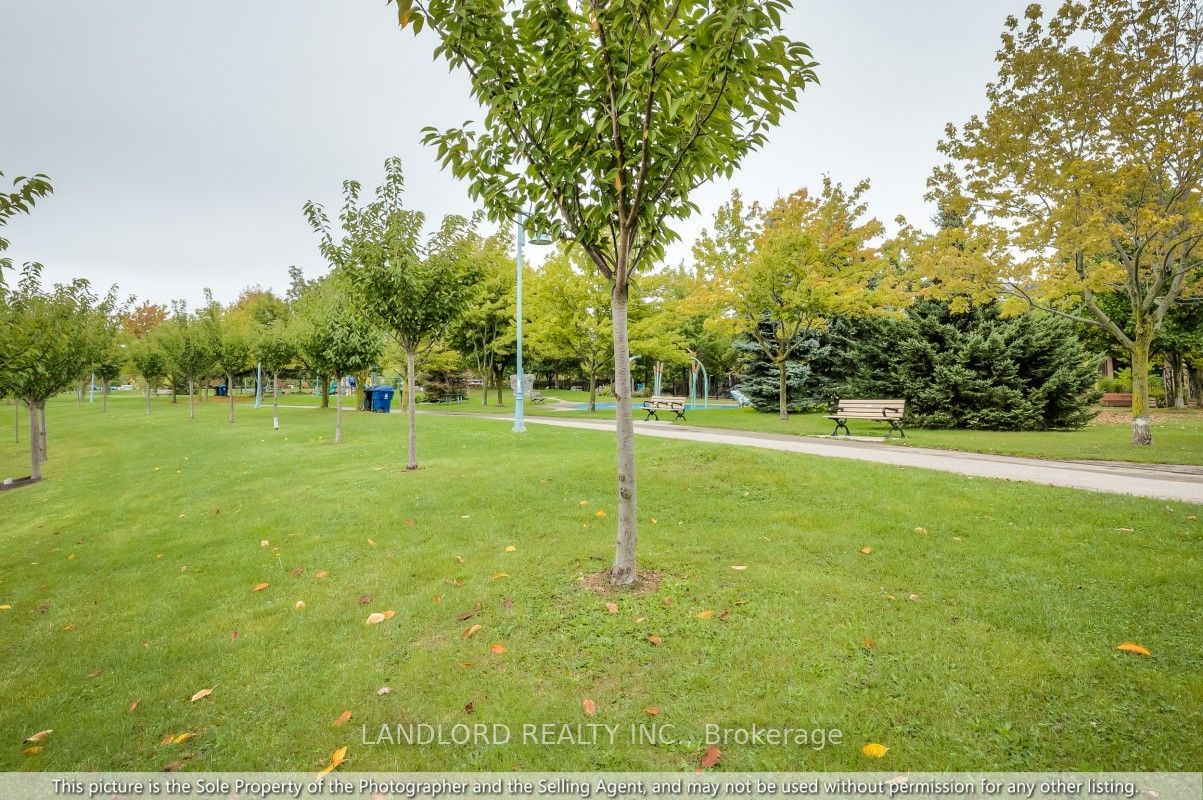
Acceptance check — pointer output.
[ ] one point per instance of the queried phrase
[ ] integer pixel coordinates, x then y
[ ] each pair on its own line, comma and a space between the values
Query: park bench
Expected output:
664, 403
537, 397
890, 411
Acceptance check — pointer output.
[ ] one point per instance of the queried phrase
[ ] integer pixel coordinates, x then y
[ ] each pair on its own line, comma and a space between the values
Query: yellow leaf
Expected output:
183, 737
652, 711
299, 605
340, 756
612, 608
5, 607
653, 520
264, 542
29, 751
921, 531
589, 706
656, 640
39, 736
342, 718
601, 513
71, 557
874, 750
497, 647
390, 614
511, 549
866, 550
468, 632
460, 559
499, 575
259, 587
436, 599
707, 614
69, 627
321, 573
738, 568
584, 502
372, 542
133, 706
640, 619
203, 693
1134, 648
375, 618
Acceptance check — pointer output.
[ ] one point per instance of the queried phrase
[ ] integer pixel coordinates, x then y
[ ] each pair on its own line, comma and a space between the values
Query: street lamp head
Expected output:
543, 238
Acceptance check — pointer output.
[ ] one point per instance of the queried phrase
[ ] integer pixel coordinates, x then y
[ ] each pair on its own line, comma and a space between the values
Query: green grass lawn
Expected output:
994, 632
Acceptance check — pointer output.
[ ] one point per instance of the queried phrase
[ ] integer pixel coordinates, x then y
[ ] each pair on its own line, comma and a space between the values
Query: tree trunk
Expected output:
1197, 380
104, 398
17, 422
35, 455
325, 382
1142, 432
230, 393
486, 375
275, 402
497, 382
174, 394
1176, 363
191, 399
624, 572
593, 390
148, 398
782, 395
411, 410
338, 412
43, 451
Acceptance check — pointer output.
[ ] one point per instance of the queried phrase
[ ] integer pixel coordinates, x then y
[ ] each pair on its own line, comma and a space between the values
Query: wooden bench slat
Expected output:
890, 411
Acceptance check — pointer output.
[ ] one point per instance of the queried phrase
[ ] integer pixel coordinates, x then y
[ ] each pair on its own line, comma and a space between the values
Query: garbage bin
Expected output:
382, 398
221, 390
367, 397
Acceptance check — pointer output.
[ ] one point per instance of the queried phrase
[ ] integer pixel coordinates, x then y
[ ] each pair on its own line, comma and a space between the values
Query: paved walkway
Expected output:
1162, 481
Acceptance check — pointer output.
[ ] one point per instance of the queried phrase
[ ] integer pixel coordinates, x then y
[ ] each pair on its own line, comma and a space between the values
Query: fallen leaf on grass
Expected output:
499, 575
707, 614
738, 567
39, 736
342, 718
375, 618
233, 636
584, 502
372, 542
5, 607
600, 513
874, 750
497, 647
365, 599
656, 640
469, 632
321, 573
295, 572
383, 690
1191, 517
452, 582
389, 614
507, 602
589, 706
264, 543
460, 559
639, 619
409, 522
337, 759
95, 674
202, 694
726, 613
300, 604
1134, 648
668, 601
133, 706
69, 627
33, 750
612, 608
259, 587
511, 549
464, 616
710, 758
470, 707
921, 531
436, 599
183, 737
868, 643
866, 550
652, 711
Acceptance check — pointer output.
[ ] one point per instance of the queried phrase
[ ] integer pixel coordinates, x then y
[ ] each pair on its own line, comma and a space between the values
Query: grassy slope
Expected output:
1005, 658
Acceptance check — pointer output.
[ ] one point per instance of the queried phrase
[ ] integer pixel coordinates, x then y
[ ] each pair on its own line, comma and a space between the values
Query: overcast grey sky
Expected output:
182, 138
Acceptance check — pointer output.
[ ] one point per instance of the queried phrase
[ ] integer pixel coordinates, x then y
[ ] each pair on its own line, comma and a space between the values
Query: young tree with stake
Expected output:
275, 348
601, 119
148, 359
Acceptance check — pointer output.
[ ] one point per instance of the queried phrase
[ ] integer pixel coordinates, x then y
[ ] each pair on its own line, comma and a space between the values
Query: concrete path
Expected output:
1166, 482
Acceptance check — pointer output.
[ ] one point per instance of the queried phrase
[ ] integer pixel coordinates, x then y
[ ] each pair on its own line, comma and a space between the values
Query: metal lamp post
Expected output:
520, 383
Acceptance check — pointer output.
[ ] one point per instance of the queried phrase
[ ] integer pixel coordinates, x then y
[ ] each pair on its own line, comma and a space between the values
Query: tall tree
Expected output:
413, 288
813, 260
1084, 175
601, 119
190, 347
44, 349
148, 359
570, 316
485, 331
275, 348
233, 357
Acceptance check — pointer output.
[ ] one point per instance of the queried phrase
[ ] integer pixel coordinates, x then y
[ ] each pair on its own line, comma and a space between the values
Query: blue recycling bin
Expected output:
382, 399
221, 390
